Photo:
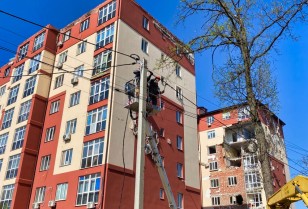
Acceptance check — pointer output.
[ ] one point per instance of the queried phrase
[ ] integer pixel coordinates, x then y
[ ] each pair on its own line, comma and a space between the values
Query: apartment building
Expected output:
82, 151
23, 102
230, 168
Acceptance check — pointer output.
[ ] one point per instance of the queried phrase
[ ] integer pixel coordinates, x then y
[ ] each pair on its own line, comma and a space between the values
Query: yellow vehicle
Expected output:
294, 190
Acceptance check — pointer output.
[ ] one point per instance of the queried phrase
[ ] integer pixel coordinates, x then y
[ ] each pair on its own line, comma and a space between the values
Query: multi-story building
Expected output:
230, 166
24, 93
79, 143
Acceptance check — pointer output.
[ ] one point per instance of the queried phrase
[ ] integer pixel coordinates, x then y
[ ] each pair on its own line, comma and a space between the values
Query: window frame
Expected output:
81, 47
34, 63
179, 117
61, 191
145, 23
45, 162
94, 127
99, 90
179, 142
3, 142
85, 192
54, 107
29, 86
23, 51
144, 46
12, 171
213, 166
12, 98
179, 93
50, 132
180, 201
19, 137
107, 12
40, 194
179, 170
104, 36
102, 62
74, 98
66, 157
214, 183
71, 126
84, 25
24, 111
66, 35
7, 195
7, 118
39, 41
59, 81
96, 147
215, 200
211, 134
18, 72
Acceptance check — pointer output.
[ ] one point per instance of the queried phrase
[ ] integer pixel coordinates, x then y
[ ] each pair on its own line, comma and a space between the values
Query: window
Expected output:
102, 62
12, 168
50, 133
19, 137
39, 41
34, 63
104, 36
92, 153
145, 23
79, 71
179, 169
180, 200
7, 119
66, 35
232, 180
61, 191
211, 134
252, 180
29, 86
162, 105
215, 200
59, 81
23, 51
71, 126
39, 194
162, 132
226, 115
6, 196
7, 72
1, 162
210, 120
179, 142
84, 25
54, 107
74, 99
45, 161
214, 183
3, 140
2, 90
161, 194
18, 73
96, 120
66, 158
24, 111
233, 200
144, 46
81, 47
243, 113
212, 150
107, 12
213, 166
99, 90
88, 188
62, 57
179, 117
178, 70
179, 93
257, 200
13, 95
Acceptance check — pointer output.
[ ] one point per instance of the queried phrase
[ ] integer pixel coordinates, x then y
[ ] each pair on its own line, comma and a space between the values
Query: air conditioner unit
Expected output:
74, 80
60, 44
36, 205
59, 65
91, 205
52, 203
67, 137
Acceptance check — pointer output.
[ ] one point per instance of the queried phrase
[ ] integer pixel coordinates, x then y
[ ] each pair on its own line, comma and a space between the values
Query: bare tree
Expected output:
245, 32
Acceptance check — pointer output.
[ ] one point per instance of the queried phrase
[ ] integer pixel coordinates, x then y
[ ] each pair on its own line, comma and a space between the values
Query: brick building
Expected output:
78, 142
230, 169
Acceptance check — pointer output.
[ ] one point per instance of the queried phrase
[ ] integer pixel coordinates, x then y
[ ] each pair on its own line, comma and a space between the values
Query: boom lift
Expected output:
293, 191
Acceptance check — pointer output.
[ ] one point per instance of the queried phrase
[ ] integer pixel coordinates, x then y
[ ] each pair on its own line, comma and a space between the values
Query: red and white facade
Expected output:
79, 147
229, 165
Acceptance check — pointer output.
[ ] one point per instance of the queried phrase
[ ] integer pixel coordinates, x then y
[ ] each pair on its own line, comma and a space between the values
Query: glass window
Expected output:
84, 25
34, 63
39, 194
2, 90
213, 166
102, 62
74, 99
179, 168
6, 196
13, 95
50, 134
66, 158
180, 200
212, 150
81, 47
62, 57
99, 90
24, 111
232, 180
79, 71
104, 36
29, 86
179, 117
179, 93
7, 72
92, 153
96, 120
179, 142
211, 134
7, 118
210, 120
66, 35
45, 162
161, 194
178, 70
214, 183
243, 113
12, 168
145, 23
107, 12
3, 140
18, 73
19, 137
144, 46
71, 126
23, 51
59, 81
226, 115
39, 41
54, 107
88, 188
1, 162
215, 200
61, 191
252, 180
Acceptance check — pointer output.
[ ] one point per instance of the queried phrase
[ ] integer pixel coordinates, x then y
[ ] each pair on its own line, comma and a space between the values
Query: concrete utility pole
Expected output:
139, 180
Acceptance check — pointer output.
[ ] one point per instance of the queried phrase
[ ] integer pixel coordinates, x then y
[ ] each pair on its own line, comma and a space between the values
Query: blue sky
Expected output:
290, 65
